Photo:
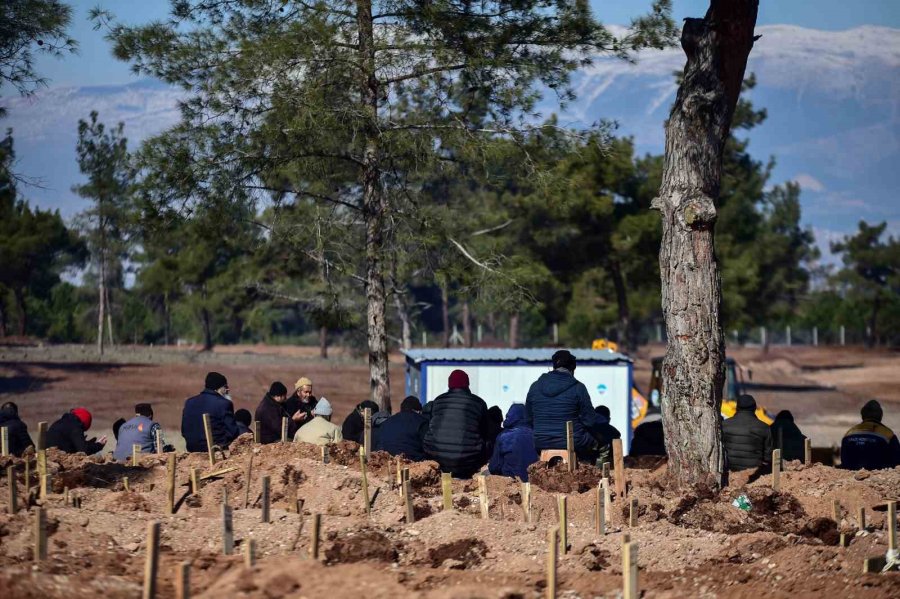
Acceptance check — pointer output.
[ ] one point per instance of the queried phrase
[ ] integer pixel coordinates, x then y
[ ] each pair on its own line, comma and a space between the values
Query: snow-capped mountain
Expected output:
833, 99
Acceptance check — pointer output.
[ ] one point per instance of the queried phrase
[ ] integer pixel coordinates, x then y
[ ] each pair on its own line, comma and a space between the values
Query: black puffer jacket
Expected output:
19, 439
748, 441
457, 433
67, 434
787, 436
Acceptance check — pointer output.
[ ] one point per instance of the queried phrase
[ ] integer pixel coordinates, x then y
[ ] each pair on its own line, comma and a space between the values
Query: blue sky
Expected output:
94, 65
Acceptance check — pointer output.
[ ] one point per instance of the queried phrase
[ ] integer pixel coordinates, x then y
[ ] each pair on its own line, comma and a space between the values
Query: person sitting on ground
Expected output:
270, 412
787, 437
648, 438
244, 419
354, 424
456, 436
215, 401
116, 426
19, 439
302, 403
747, 439
870, 445
558, 397
68, 433
401, 434
320, 430
604, 433
495, 425
514, 448
140, 430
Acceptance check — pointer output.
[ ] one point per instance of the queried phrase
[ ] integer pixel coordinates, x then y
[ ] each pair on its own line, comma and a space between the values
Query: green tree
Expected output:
311, 89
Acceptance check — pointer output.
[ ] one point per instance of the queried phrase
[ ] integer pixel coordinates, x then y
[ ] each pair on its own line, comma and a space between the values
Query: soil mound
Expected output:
360, 546
556, 478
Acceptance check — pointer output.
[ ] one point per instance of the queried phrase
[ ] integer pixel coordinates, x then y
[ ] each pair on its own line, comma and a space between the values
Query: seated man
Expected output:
787, 437
870, 445
215, 401
604, 432
514, 448
558, 397
648, 438
747, 439
457, 433
68, 434
271, 411
19, 439
401, 434
320, 430
140, 430
243, 419
353, 427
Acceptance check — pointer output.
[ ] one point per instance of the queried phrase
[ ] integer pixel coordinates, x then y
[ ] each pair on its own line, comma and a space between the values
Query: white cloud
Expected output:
808, 183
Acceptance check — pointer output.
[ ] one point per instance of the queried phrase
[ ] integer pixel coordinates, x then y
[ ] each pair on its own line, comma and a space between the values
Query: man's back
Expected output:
221, 416
870, 445
554, 399
319, 431
456, 433
19, 439
137, 431
402, 434
747, 440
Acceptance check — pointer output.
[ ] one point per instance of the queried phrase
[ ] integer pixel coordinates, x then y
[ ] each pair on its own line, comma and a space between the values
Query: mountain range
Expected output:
833, 102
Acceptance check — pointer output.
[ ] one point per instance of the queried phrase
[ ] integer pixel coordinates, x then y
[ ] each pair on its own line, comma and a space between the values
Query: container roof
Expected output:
535, 354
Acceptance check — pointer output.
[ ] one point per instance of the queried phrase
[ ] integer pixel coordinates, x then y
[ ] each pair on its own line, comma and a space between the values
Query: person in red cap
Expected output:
458, 429
68, 433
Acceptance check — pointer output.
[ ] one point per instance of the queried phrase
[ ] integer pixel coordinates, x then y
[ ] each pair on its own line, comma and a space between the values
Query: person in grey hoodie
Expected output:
556, 398
140, 430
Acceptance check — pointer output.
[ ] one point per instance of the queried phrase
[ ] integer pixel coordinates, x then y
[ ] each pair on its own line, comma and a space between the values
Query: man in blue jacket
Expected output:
556, 398
870, 444
215, 401
402, 433
514, 450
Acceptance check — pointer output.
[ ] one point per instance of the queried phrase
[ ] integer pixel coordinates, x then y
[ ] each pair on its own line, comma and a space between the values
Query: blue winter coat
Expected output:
554, 399
221, 419
401, 434
514, 450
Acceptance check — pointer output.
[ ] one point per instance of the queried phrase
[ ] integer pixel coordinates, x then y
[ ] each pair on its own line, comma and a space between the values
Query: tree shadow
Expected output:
24, 381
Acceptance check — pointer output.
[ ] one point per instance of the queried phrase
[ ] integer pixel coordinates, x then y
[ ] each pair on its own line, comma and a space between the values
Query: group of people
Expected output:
456, 429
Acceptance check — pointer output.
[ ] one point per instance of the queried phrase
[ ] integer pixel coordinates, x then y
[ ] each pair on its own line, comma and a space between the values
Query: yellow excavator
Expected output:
734, 386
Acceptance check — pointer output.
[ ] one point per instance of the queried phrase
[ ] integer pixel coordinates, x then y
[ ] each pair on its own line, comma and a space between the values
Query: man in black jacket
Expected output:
215, 401
68, 433
787, 437
558, 397
458, 428
353, 428
269, 413
19, 439
401, 434
747, 439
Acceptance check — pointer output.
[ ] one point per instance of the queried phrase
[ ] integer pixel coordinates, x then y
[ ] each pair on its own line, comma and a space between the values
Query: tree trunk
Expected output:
2, 318
467, 325
109, 327
693, 373
514, 330
101, 295
374, 210
624, 332
166, 320
323, 342
445, 317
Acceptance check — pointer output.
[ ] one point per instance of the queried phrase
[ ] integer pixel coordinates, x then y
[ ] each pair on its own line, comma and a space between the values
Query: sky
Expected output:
94, 64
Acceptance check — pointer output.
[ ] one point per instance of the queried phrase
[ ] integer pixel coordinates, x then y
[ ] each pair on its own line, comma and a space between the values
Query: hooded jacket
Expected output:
401, 434
747, 439
221, 417
870, 445
67, 434
554, 399
19, 439
269, 414
457, 432
514, 449
787, 436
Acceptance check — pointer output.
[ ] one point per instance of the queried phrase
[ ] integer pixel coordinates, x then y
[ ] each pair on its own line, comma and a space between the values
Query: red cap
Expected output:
84, 416
458, 380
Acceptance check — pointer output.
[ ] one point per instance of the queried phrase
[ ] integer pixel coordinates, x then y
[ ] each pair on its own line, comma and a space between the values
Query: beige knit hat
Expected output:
302, 382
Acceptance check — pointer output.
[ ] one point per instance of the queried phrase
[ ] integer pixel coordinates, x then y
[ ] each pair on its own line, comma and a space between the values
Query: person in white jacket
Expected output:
320, 430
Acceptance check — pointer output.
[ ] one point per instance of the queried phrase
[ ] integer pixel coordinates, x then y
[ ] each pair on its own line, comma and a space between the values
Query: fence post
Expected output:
816, 336
762, 336
843, 338
787, 334
424, 339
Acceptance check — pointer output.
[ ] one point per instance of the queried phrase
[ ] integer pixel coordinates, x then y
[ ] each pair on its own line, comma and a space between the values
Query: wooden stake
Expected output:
776, 470
407, 499
159, 443
447, 490
483, 497
619, 464
836, 510
170, 484
265, 499
314, 536
4, 441
250, 553
600, 510
570, 445
399, 477
552, 555
861, 517
183, 580
66, 496
367, 430
630, 571
12, 505
562, 504
633, 512
365, 481
125, 484
892, 526
325, 458
45, 486
135, 455
247, 481
807, 451
606, 470
607, 502
27, 477
216, 473
284, 429
41, 449
40, 534
195, 482
227, 531
526, 502
210, 443
151, 565
256, 432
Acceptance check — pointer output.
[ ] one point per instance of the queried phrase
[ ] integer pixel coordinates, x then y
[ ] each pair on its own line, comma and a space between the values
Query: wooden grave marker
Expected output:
135, 455
151, 565
183, 580
159, 442
570, 446
407, 499
284, 429
195, 482
630, 571
314, 536
247, 481
600, 510
861, 517
562, 504
227, 530
483, 497
807, 451
265, 499
4, 441
170, 484
619, 465
210, 443
552, 558
526, 502
12, 505
607, 500
632, 512
40, 534
447, 490
365, 481
367, 431
776, 470
250, 553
